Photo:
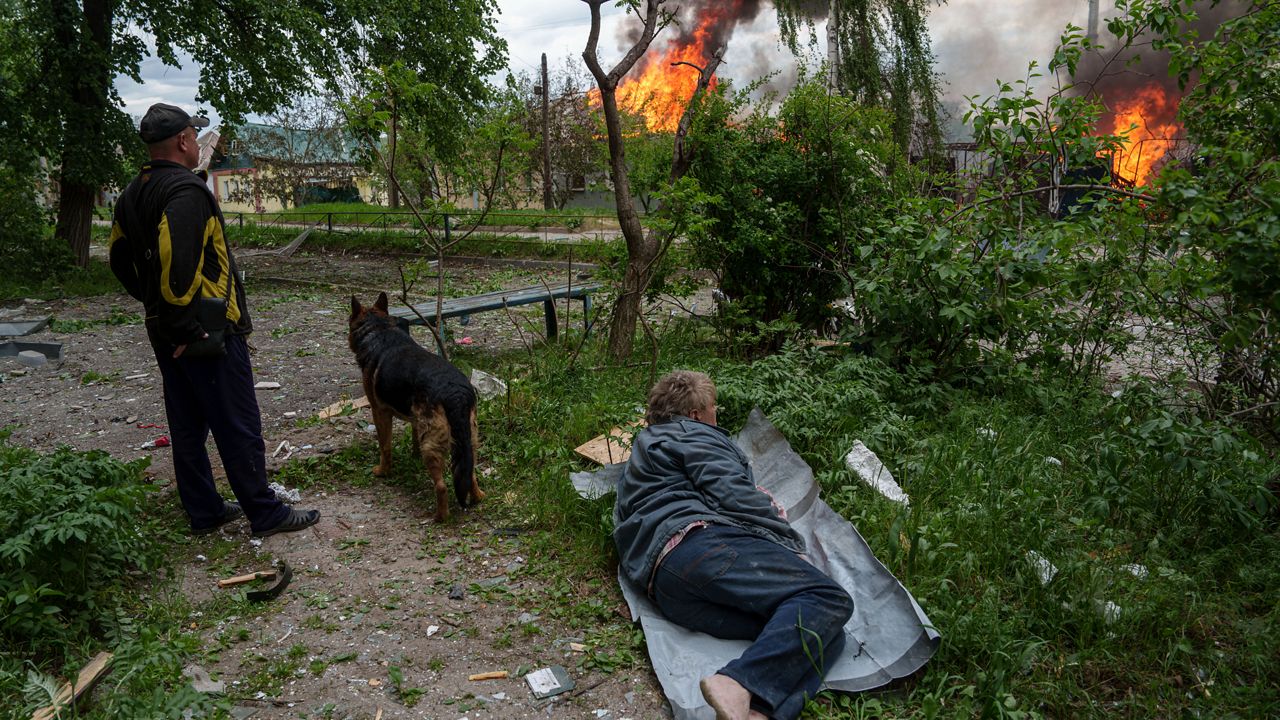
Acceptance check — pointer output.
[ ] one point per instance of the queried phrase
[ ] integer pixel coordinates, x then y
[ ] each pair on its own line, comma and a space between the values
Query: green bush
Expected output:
74, 526
791, 192
25, 238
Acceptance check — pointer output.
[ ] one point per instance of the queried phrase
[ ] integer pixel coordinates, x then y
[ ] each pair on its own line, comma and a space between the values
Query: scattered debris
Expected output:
343, 407
31, 358
432, 630
249, 577
139, 376
873, 472
284, 445
987, 432
577, 647
162, 441
68, 694
1053, 461
1110, 611
202, 682
487, 386
615, 447
17, 328
492, 675
466, 341
375, 682
1044, 568
549, 681
266, 385
284, 493
1136, 570
457, 593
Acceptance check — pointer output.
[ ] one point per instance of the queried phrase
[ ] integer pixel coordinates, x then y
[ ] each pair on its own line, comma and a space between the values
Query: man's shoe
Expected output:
296, 520
231, 511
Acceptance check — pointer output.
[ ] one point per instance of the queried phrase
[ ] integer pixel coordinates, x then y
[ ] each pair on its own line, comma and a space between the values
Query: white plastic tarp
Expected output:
888, 637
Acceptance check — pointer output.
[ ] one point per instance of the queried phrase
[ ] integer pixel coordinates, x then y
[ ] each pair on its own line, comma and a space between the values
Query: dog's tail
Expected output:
461, 416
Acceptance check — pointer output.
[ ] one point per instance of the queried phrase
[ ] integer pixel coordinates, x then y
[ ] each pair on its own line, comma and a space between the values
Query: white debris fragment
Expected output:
486, 385
873, 472
1136, 570
285, 493
1053, 461
201, 558
500, 696
265, 385
987, 432
136, 377
1110, 611
432, 630
1044, 568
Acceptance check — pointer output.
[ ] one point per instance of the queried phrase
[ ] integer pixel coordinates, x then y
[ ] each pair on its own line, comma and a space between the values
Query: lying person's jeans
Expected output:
726, 582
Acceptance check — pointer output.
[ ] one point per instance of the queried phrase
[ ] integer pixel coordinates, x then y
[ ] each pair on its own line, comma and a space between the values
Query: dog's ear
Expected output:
355, 307
381, 304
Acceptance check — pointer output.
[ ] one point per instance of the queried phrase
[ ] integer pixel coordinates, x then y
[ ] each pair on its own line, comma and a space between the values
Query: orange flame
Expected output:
1146, 122
661, 90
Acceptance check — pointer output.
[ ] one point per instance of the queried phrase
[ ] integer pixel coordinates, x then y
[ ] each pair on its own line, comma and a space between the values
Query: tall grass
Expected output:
1160, 526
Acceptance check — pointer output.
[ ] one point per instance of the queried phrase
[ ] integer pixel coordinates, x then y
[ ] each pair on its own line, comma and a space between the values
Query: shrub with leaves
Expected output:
74, 526
792, 190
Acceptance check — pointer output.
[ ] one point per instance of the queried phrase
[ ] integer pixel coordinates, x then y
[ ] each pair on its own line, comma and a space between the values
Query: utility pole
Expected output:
1092, 35
546, 138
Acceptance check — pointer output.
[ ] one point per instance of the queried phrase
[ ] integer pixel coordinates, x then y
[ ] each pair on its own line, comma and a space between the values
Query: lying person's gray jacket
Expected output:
680, 472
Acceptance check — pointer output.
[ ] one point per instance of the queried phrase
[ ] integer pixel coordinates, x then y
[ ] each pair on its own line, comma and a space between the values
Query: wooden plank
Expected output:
69, 694
612, 447
339, 407
242, 579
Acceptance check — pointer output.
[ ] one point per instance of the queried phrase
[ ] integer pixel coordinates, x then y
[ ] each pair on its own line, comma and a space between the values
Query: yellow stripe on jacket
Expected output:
166, 261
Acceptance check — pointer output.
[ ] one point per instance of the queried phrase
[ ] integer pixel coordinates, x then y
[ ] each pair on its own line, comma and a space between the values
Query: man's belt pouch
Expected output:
211, 313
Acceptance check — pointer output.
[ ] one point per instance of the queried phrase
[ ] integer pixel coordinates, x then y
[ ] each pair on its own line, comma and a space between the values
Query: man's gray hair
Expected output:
679, 393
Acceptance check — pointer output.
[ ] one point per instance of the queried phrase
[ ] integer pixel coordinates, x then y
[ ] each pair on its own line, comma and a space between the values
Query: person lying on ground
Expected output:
717, 555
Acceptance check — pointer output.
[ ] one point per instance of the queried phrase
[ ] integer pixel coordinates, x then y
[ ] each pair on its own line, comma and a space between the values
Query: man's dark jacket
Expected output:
680, 472
168, 248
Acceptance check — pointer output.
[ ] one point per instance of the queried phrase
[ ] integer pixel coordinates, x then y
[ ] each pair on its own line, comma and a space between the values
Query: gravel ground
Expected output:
376, 585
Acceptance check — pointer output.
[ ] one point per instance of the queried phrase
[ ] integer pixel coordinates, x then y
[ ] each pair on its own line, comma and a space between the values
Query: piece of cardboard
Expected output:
613, 447
340, 407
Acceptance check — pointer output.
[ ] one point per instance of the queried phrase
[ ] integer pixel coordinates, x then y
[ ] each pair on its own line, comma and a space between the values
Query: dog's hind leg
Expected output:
383, 418
431, 434
476, 493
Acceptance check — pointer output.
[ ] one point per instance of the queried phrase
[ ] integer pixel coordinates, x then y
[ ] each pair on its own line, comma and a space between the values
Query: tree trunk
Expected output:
86, 67
75, 218
642, 248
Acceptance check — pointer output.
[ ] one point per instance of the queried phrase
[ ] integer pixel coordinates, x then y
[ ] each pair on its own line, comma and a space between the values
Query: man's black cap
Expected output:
164, 121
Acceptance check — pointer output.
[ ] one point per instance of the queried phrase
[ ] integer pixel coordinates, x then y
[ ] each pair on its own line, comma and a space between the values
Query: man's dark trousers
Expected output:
203, 394
729, 583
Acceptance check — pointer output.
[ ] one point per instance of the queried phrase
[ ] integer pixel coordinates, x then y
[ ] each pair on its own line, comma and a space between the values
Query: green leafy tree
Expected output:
883, 58
794, 189
254, 57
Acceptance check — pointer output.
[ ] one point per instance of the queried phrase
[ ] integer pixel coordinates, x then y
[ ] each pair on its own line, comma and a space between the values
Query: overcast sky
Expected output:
975, 41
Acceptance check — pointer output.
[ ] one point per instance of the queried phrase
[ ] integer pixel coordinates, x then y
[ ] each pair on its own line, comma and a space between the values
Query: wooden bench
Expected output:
464, 307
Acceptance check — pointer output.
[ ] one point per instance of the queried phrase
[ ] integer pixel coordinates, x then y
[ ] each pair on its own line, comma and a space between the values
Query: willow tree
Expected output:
882, 57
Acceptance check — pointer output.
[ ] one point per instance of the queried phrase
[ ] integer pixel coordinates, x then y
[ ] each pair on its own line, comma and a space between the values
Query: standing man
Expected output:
716, 555
169, 251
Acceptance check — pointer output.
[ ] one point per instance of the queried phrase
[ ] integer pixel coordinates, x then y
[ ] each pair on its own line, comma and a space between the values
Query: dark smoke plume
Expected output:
681, 33
1113, 76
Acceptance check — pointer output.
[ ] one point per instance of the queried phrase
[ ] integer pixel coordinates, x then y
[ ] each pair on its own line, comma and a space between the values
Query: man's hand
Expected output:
177, 352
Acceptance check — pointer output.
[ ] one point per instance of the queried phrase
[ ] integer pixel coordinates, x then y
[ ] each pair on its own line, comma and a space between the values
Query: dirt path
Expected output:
386, 611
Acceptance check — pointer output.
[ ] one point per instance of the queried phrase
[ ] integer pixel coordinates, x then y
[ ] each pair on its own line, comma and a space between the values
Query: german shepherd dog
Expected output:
402, 379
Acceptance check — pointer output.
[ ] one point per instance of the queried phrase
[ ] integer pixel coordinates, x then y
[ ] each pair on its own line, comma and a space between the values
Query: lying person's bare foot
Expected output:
729, 699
